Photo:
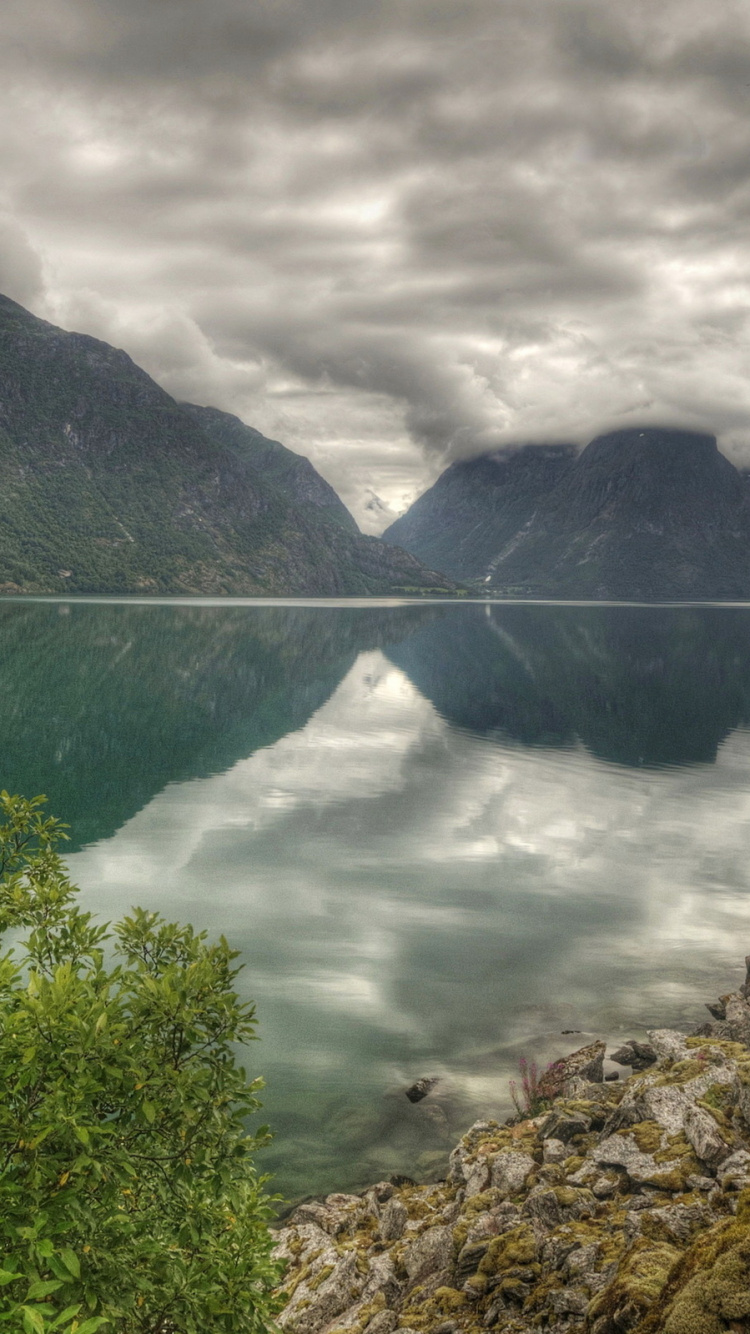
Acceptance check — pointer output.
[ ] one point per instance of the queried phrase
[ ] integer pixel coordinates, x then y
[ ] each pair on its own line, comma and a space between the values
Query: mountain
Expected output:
110, 486
477, 507
639, 514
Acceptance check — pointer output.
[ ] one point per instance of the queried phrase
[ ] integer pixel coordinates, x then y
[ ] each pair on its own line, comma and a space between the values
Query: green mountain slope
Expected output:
110, 486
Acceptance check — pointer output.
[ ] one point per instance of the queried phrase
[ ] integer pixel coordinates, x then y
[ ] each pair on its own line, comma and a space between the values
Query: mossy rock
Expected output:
512, 1248
573, 1164
648, 1135
709, 1287
681, 1072
637, 1285
424, 1315
736, 1051
320, 1278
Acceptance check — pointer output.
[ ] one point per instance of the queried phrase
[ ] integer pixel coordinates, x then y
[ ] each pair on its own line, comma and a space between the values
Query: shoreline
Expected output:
612, 1208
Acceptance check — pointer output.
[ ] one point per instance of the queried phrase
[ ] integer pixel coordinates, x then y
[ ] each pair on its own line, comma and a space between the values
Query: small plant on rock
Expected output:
532, 1097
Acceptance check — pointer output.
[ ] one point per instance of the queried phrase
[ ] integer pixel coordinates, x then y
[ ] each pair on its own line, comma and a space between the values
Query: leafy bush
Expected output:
128, 1198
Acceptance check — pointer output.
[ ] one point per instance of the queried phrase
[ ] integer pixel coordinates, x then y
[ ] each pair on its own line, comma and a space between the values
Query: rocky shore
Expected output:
620, 1207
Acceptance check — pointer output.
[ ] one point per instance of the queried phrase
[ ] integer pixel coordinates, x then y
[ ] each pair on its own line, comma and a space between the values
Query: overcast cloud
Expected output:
392, 232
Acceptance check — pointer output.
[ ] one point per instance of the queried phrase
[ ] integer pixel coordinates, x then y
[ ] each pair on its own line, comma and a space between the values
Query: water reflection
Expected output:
636, 685
104, 704
443, 867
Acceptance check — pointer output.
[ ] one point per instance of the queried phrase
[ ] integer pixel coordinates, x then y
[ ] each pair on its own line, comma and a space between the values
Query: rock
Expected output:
431, 1251
734, 1172
382, 1323
312, 1307
700, 1183
704, 1135
383, 1190
298, 1243
381, 1279
550, 1208
669, 1104
611, 1077
477, 1176
587, 1063
393, 1220
564, 1126
622, 1151
468, 1260
669, 1044
332, 1214
679, 1221
603, 1188
464, 1149
555, 1151
638, 1055
421, 1088
569, 1301
510, 1170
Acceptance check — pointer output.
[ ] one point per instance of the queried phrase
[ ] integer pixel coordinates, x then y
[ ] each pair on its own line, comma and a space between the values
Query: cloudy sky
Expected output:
392, 232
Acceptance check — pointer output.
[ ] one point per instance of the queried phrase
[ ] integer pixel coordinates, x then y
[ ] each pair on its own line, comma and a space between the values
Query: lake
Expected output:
440, 834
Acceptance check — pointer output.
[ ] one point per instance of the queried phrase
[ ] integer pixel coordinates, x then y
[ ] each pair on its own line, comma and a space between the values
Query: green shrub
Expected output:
128, 1198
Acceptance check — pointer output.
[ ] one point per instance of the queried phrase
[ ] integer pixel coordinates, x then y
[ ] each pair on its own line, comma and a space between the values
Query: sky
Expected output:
392, 233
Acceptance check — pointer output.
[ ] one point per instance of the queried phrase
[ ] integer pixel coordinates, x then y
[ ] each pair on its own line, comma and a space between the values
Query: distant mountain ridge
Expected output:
110, 486
639, 514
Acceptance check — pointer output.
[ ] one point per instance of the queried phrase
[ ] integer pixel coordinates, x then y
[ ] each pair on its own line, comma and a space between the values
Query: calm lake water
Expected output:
440, 834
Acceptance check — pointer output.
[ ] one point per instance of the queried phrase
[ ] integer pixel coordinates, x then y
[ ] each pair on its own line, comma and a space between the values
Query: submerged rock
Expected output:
622, 1209
421, 1088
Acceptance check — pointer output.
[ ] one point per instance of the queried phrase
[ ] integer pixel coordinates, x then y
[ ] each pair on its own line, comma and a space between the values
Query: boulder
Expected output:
510, 1171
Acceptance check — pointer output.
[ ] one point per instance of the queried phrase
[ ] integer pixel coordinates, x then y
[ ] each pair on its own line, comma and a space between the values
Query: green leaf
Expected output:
42, 1288
69, 1313
33, 1321
7, 1276
71, 1261
149, 1111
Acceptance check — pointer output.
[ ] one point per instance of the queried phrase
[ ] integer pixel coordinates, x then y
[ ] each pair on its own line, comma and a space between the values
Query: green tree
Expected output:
128, 1198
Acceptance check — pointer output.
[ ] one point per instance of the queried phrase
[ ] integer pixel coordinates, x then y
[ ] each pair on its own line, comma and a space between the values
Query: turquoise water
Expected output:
439, 834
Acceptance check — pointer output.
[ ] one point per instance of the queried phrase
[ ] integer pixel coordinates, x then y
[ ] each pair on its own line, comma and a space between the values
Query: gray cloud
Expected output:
398, 233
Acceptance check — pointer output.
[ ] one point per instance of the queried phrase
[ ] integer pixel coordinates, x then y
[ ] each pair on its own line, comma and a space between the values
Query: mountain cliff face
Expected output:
646, 514
110, 486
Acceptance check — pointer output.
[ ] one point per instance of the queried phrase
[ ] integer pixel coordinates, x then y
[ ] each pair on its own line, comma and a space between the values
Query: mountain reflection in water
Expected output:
635, 685
439, 835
